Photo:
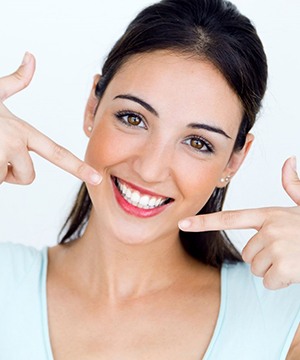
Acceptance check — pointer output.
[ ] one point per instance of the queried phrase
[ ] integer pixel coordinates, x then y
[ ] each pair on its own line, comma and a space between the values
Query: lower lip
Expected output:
134, 210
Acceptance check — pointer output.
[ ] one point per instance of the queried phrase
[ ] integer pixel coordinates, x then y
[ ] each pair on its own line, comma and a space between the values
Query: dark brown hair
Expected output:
213, 30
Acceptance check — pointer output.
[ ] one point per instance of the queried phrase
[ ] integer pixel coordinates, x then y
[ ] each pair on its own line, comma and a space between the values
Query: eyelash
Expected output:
120, 115
209, 147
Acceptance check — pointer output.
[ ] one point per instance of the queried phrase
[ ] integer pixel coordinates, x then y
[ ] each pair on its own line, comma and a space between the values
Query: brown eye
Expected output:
197, 144
133, 120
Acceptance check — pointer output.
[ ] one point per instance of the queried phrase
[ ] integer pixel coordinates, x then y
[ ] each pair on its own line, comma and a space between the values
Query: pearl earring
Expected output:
226, 179
89, 128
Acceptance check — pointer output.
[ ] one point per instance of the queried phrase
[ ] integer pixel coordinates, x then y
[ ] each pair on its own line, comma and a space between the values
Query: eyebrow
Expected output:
209, 128
139, 101
154, 112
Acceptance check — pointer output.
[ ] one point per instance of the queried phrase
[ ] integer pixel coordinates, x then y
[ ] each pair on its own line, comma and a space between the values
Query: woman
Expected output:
168, 123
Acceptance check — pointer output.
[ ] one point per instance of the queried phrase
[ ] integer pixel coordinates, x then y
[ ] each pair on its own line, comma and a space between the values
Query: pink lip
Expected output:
134, 210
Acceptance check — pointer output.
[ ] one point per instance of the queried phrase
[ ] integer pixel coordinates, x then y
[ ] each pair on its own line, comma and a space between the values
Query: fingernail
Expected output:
294, 163
96, 179
26, 58
184, 224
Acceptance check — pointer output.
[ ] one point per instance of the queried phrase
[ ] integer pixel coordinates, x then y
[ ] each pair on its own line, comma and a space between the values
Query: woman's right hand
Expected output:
17, 138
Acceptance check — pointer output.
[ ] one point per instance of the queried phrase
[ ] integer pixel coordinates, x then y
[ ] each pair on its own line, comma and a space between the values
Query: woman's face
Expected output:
162, 138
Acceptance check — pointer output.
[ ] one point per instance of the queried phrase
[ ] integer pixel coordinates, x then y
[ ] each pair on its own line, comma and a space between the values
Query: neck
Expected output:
106, 267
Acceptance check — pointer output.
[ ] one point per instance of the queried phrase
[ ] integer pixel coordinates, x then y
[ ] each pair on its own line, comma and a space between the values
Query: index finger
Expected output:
61, 157
226, 220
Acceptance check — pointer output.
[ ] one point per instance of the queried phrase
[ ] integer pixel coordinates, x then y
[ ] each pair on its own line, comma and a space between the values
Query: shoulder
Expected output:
23, 304
277, 311
16, 261
17, 255
240, 278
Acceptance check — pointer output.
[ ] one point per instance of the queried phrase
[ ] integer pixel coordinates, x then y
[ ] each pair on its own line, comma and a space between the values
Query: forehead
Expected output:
179, 86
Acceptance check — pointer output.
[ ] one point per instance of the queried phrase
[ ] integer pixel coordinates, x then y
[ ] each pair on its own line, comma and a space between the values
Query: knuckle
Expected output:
81, 169
29, 179
16, 127
270, 232
255, 269
276, 250
200, 222
278, 277
3, 94
269, 283
18, 146
11, 143
246, 254
23, 125
282, 269
22, 80
229, 219
58, 152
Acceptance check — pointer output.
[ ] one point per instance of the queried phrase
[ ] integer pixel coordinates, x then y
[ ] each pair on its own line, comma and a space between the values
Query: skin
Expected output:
125, 272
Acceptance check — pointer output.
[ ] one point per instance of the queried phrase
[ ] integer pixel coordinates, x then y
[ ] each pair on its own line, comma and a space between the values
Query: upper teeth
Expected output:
135, 198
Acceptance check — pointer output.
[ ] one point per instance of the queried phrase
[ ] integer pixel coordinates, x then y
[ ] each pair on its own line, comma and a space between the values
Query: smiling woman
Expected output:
162, 131
167, 131
168, 123
193, 31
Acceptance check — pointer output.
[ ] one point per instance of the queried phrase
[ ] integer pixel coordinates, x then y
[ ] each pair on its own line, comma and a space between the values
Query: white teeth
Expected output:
135, 198
144, 201
152, 202
128, 194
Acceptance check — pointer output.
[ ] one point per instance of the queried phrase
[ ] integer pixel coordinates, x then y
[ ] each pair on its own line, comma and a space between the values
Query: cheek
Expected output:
197, 181
103, 148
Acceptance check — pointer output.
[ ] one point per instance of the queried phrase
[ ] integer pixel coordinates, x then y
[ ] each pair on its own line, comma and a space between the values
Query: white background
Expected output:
70, 40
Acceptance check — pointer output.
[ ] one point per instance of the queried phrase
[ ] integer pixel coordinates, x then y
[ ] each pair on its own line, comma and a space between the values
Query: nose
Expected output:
153, 163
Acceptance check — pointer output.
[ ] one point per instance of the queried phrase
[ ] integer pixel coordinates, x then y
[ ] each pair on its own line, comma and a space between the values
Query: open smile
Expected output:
137, 201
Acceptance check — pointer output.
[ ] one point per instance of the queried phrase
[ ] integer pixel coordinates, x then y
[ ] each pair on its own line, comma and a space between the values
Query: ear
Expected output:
90, 109
235, 161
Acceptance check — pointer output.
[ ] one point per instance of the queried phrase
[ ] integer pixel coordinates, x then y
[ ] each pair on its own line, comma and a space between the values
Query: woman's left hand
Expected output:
274, 251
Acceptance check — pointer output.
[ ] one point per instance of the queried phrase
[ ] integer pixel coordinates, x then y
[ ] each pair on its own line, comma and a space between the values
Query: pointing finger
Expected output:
61, 157
225, 220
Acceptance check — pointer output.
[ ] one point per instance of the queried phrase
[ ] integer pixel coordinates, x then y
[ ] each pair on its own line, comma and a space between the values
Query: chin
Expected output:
138, 234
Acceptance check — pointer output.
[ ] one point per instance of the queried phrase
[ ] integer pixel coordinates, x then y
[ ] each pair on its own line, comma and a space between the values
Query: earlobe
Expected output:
235, 161
90, 109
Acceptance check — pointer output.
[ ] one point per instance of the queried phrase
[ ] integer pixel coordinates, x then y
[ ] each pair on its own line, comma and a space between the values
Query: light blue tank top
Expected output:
253, 323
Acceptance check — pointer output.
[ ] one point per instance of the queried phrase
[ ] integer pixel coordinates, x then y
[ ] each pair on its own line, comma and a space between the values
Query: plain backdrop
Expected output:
70, 40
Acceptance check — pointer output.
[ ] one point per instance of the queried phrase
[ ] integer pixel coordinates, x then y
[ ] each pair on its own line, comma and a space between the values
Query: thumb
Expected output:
20, 79
290, 179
